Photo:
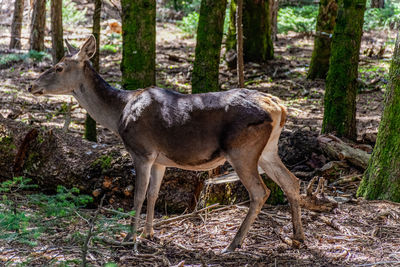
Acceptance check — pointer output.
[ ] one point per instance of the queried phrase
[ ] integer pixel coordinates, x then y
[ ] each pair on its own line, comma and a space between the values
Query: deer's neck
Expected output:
103, 102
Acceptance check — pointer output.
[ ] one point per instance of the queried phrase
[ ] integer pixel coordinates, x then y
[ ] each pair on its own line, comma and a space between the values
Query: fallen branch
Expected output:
337, 149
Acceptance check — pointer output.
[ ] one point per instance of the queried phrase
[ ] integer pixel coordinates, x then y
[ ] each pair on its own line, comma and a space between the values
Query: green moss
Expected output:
257, 30
277, 196
139, 43
208, 46
341, 82
231, 36
7, 143
104, 162
319, 64
32, 161
382, 177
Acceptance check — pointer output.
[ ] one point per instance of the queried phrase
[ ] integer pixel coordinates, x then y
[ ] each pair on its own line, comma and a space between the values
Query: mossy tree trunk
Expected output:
341, 82
208, 46
257, 30
56, 30
16, 24
377, 3
90, 123
139, 43
382, 178
38, 23
319, 65
231, 35
239, 27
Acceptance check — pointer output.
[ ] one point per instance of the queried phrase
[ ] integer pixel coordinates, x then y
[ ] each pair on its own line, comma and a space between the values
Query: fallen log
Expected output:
336, 149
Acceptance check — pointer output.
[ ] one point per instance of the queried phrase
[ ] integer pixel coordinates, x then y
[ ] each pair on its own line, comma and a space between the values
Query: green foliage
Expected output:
16, 184
303, 18
186, 7
189, 23
297, 19
110, 48
72, 15
64, 203
36, 56
378, 18
104, 162
20, 224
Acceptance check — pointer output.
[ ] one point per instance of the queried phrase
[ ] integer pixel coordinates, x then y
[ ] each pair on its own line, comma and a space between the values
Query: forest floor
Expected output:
357, 233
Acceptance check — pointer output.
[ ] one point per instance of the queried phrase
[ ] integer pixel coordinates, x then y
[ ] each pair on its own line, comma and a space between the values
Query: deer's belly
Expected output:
188, 164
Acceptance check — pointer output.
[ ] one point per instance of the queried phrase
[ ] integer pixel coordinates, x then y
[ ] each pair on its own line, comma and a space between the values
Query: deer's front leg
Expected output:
143, 169
157, 173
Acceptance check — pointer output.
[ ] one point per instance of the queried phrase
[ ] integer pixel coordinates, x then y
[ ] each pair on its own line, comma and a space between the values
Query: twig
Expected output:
89, 235
177, 218
118, 212
377, 263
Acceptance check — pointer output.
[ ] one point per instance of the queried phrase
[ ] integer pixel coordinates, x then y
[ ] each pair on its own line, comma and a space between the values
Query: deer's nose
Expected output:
30, 88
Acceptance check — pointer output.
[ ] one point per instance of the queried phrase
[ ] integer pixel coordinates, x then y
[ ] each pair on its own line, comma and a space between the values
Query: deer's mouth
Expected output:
39, 92
35, 91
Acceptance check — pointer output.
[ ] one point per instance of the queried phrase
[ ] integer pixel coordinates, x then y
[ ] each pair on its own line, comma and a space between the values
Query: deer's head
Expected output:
66, 75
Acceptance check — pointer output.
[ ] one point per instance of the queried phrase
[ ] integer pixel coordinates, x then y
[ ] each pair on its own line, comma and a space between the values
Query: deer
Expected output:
163, 128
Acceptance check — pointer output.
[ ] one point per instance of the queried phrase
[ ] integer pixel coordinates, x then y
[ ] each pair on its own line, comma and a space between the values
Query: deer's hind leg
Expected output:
276, 170
258, 192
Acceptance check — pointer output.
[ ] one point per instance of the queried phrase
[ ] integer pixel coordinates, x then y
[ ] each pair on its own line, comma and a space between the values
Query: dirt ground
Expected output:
357, 233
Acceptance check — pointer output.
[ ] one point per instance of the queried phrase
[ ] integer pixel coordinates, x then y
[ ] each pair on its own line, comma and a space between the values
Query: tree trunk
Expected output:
90, 123
257, 30
382, 178
274, 18
377, 3
231, 35
38, 23
56, 31
239, 27
16, 24
208, 46
341, 82
319, 65
139, 43
230, 42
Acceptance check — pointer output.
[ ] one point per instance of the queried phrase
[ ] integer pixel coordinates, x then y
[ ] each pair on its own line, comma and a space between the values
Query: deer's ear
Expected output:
71, 49
88, 49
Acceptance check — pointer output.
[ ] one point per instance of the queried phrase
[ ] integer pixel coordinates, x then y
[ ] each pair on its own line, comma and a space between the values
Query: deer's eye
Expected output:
59, 69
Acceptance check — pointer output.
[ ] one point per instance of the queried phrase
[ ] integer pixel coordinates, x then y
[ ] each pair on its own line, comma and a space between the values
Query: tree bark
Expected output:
38, 23
208, 46
382, 178
341, 82
90, 123
319, 65
257, 30
139, 43
239, 27
57, 41
16, 25
231, 35
377, 3
274, 18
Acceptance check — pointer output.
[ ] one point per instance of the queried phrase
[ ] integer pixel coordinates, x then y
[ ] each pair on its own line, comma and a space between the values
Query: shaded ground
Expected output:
357, 232
353, 234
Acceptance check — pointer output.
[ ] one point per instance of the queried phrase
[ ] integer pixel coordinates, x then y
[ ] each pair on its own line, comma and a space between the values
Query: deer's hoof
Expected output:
230, 248
128, 237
